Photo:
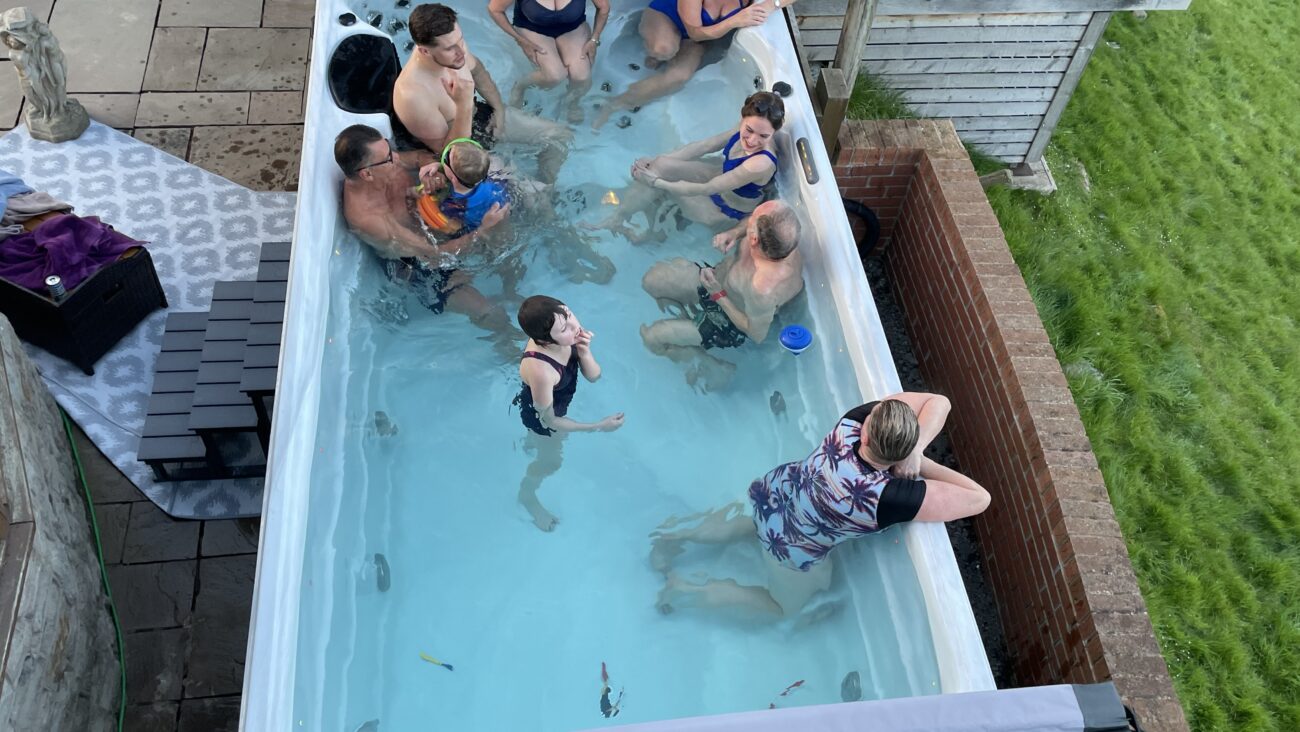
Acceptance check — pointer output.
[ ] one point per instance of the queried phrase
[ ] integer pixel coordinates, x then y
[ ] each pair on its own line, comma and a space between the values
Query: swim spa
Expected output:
382, 549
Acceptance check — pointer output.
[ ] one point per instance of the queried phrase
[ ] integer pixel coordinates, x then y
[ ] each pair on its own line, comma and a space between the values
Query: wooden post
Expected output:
835, 85
853, 38
832, 95
1073, 72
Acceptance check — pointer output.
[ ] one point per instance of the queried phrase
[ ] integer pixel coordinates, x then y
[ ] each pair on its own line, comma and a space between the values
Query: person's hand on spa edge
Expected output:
752, 15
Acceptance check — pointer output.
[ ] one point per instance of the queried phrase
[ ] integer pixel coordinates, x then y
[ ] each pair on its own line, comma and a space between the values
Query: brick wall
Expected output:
1056, 560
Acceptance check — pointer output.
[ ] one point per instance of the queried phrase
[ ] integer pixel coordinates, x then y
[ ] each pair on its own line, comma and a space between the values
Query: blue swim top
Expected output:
471, 207
669, 8
749, 190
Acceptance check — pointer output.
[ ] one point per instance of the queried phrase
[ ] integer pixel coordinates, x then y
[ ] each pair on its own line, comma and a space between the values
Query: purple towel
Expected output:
71, 247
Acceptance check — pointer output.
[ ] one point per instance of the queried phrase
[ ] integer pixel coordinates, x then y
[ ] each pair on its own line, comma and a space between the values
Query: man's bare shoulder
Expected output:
777, 286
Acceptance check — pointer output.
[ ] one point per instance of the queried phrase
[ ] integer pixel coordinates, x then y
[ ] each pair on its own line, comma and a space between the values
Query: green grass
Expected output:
1167, 272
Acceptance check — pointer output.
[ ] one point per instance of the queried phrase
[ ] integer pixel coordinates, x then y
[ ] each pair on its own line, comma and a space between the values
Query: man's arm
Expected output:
754, 323
383, 233
487, 89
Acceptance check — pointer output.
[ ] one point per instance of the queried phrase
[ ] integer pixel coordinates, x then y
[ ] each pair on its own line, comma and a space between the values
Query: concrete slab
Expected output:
255, 58
11, 96
155, 665
288, 13
230, 536
153, 595
260, 157
276, 108
153, 536
220, 626
152, 717
158, 109
106, 44
171, 140
112, 519
227, 13
1034, 176
220, 714
174, 59
107, 484
114, 110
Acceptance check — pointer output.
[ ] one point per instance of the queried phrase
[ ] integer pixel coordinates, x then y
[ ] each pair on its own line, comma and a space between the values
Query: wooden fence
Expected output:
1002, 70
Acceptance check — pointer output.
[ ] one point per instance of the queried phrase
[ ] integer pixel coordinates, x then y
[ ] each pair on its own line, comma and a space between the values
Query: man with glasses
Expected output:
378, 196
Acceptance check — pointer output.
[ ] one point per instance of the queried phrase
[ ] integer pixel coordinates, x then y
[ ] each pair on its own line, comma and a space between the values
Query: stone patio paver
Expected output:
276, 108
229, 536
260, 157
220, 626
155, 665
171, 140
153, 595
164, 109
152, 717
153, 536
255, 58
288, 13
112, 519
11, 96
229, 13
220, 714
107, 484
114, 110
105, 44
174, 59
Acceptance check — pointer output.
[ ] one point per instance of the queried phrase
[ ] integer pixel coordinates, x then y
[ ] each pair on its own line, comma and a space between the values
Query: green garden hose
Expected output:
103, 571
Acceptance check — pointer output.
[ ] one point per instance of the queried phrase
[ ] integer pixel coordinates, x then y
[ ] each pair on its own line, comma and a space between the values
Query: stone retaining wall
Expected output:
58, 652
1054, 555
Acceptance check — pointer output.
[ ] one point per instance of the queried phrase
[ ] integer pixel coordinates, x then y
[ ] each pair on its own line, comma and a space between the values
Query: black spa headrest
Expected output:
362, 72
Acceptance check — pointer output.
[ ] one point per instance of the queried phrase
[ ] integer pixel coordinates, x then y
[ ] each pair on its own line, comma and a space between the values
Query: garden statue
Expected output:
49, 114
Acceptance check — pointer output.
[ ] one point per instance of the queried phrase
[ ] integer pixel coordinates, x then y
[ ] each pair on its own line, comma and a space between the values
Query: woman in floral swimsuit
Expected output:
867, 474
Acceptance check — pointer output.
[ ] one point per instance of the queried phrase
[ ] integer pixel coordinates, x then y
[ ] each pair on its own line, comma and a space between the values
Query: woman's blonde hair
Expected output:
892, 430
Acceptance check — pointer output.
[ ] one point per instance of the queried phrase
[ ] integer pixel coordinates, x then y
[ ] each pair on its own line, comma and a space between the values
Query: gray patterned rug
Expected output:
200, 228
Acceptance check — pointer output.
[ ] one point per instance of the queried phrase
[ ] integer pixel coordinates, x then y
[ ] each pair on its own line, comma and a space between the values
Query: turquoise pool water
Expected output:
526, 618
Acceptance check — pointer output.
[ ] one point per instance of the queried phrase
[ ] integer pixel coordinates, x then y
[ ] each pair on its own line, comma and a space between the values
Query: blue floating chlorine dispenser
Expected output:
796, 339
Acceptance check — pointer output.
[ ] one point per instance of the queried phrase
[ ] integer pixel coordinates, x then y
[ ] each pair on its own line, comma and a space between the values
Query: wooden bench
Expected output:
168, 445
214, 382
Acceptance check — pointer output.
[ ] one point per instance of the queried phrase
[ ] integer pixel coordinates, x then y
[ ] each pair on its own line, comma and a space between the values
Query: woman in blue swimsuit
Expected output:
706, 195
558, 349
556, 38
675, 33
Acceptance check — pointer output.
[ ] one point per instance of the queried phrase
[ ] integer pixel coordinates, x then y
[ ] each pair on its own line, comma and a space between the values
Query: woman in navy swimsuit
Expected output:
706, 194
558, 349
675, 33
556, 38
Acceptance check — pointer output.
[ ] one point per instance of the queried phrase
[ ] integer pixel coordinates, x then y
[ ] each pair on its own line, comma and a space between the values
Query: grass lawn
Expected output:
1167, 272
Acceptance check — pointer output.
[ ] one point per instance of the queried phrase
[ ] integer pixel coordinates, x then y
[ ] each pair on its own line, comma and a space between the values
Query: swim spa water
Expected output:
527, 618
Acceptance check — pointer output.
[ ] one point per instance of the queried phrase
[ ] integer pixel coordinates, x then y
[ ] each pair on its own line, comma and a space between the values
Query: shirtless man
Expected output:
428, 111
737, 300
378, 193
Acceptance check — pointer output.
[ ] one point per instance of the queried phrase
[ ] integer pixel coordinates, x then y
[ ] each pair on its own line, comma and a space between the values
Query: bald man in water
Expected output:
724, 306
